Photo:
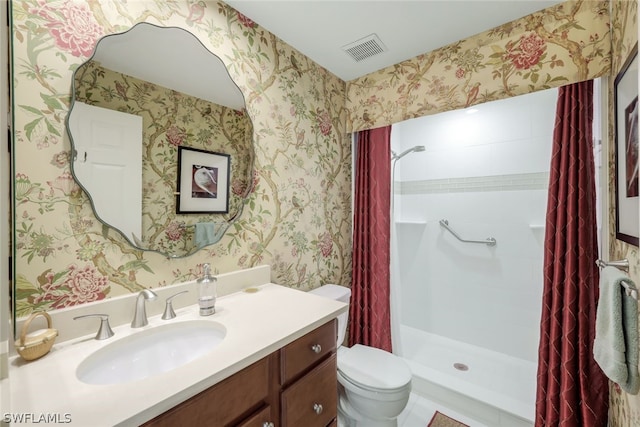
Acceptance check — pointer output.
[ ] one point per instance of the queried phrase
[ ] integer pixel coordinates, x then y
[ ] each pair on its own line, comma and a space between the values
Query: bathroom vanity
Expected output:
293, 386
275, 366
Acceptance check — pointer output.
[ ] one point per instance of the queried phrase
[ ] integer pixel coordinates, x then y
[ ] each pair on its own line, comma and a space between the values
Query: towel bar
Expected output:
622, 264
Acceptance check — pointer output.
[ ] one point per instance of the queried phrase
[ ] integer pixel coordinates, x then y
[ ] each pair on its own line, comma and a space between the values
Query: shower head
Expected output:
405, 152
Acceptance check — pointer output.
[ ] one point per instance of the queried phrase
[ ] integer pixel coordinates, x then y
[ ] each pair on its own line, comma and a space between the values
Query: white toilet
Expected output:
374, 385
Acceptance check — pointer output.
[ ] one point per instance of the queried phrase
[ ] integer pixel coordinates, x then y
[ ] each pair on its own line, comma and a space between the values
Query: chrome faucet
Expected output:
105, 330
140, 315
169, 313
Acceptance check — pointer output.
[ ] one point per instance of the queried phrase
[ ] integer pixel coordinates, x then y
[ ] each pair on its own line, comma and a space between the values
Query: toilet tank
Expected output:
338, 293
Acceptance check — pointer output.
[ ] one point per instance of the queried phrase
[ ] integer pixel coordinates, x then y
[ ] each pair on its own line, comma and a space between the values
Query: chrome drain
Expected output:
461, 366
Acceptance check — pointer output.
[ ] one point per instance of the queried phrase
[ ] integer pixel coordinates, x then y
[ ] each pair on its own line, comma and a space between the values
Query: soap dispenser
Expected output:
207, 292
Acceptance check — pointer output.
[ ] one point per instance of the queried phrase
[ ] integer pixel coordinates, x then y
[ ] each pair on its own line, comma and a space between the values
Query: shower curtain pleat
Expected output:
572, 390
370, 310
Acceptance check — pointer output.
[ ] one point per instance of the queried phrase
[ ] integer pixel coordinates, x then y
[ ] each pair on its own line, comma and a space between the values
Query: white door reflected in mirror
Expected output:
108, 161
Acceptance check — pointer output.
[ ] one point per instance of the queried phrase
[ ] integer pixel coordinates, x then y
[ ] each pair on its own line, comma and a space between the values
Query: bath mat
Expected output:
441, 420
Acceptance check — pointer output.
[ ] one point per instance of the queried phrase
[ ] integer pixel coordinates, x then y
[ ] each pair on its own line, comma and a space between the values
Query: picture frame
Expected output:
626, 150
203, 181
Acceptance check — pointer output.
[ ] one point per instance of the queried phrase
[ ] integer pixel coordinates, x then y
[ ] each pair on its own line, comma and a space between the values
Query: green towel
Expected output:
205, 234
615, 347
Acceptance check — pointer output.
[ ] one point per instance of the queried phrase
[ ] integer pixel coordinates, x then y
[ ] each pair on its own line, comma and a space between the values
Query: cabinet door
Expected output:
227, 403
312, 401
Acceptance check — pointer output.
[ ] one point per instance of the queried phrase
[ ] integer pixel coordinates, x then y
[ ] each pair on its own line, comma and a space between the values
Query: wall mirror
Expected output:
142, 97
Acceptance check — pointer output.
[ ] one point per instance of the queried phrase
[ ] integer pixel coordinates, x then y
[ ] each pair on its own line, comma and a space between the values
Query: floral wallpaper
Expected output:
192, 122
298, 214
624, 409
297, 217
563, 44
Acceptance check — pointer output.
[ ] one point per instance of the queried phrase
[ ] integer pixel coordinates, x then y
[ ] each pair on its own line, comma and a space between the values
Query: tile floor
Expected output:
419, 411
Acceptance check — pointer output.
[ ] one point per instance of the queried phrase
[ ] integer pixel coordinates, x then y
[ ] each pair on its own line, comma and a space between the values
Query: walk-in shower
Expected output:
465, 316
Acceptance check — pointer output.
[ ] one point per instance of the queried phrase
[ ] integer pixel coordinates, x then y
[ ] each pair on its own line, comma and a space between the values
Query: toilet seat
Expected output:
373, 369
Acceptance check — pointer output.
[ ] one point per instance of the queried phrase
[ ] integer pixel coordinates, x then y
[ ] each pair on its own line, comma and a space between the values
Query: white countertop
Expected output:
256, 323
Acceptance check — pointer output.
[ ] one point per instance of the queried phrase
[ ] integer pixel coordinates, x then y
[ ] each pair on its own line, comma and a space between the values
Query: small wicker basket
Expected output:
36, 345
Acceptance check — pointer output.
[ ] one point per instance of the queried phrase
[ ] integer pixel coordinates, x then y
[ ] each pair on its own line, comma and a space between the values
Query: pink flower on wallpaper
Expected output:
326, 244
324, 121
175, 136
49, 289
460, 73
81, 285
528, 52
65, 183
174, 231
246, 21
86, 285
238, 187
72, 26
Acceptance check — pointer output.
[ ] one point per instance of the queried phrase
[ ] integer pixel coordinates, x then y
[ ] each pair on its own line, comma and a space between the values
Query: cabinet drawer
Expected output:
261, 419
225, 403
306, 351
313, 400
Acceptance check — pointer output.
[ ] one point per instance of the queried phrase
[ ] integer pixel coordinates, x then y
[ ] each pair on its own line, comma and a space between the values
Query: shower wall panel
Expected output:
486, 172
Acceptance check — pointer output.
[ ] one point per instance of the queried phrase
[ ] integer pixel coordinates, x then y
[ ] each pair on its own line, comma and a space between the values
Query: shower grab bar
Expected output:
490, 241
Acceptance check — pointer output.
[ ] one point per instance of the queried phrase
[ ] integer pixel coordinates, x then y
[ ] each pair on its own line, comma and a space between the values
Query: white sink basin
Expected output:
150, 352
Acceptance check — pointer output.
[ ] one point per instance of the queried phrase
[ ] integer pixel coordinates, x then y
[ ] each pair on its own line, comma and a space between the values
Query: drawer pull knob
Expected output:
268, 424
318, 408
317, 348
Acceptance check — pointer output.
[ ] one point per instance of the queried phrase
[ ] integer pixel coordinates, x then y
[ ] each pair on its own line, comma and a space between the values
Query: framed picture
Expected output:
203, 181
626, 168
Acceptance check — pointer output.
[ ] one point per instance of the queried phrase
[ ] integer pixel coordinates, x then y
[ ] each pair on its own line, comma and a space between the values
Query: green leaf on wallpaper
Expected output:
52, 128
29, 127
23, 308
558, 78
51, 102
136, 265
24, 288
32, 110
105, 231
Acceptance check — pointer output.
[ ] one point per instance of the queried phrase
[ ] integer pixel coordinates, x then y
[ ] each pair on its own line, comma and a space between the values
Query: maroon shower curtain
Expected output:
369, 311
572, 390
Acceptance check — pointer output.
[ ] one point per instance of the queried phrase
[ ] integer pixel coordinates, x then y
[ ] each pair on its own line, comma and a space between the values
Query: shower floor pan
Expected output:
493, 388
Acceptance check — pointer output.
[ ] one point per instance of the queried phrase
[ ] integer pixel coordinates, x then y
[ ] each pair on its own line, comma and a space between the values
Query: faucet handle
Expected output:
168, 308
104, 331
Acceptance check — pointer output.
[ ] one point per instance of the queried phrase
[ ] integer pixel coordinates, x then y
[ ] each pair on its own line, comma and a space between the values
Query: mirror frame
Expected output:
242, 198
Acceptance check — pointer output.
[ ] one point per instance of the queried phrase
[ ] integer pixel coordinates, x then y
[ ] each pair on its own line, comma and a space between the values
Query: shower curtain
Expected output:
369, 311
572, 390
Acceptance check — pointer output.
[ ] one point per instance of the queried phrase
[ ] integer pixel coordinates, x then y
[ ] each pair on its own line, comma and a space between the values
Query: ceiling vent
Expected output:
365, 48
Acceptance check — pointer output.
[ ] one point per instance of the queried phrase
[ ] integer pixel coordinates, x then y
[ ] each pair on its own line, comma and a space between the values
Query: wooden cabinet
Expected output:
309, 378
292, 387
312, 401
232, 402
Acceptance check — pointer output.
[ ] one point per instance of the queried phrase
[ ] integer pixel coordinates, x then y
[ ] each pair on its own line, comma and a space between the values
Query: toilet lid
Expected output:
373, 367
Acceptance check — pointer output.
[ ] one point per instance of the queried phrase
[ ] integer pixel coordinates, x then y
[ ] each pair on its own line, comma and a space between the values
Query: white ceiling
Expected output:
320, 28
